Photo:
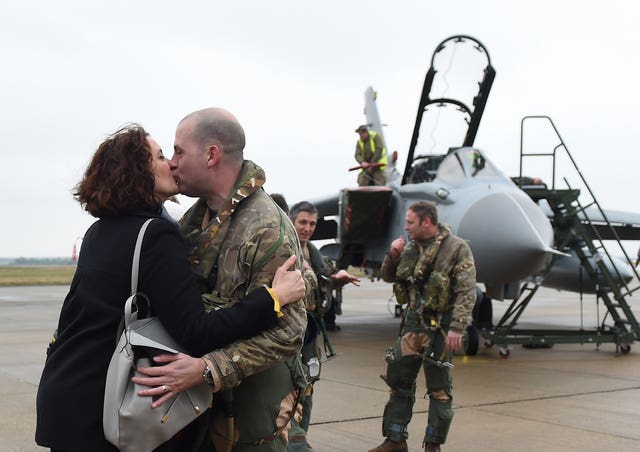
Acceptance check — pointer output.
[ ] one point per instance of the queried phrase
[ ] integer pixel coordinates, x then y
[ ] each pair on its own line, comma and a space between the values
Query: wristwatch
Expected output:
207, 376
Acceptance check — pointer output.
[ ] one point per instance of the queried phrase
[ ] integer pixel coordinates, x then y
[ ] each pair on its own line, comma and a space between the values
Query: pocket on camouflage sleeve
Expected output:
400, 291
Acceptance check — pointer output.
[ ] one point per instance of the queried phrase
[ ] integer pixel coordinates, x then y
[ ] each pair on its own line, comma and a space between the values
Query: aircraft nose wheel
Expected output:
625, 348
504, 352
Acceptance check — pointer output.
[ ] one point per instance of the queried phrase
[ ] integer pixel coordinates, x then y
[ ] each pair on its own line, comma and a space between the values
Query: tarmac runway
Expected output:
569, 398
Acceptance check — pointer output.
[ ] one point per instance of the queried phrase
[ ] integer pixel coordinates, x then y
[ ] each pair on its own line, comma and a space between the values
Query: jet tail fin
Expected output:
371, 112
374, 123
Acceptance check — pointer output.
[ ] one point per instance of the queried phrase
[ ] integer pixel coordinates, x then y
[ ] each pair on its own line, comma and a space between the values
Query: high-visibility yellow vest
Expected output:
372, 146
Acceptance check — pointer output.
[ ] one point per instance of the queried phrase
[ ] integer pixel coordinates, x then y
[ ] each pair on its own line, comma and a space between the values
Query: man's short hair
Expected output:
302, 206
425, 209
281, 201
219, 126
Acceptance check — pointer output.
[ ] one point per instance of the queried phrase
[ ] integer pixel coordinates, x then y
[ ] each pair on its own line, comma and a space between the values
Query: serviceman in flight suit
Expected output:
434, 277
237, 237
370, 149
321, 274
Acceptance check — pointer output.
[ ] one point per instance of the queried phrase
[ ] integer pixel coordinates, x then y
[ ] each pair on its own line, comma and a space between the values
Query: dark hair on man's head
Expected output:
281, 201
425, 209
119, 180
302, 206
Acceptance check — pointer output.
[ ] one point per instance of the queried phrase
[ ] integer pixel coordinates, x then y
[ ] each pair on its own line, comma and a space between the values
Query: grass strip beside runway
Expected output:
35, 275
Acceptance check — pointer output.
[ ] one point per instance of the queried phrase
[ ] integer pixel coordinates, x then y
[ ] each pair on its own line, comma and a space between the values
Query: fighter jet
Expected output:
520, 231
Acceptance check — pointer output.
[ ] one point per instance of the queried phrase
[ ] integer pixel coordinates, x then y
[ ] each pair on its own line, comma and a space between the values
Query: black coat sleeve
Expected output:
166, 278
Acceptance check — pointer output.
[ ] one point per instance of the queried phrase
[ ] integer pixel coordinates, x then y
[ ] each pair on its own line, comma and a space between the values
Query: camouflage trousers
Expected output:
300, 427
402, 364
263, 405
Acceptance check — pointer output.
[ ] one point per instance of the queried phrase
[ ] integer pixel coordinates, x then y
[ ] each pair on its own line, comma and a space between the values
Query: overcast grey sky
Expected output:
294, 73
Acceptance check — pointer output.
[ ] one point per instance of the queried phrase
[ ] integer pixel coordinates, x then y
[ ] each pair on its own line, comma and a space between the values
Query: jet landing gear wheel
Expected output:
625, 348
471, 341
504, 352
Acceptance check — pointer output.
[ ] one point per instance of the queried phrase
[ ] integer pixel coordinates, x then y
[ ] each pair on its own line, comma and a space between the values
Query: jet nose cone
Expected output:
508, 235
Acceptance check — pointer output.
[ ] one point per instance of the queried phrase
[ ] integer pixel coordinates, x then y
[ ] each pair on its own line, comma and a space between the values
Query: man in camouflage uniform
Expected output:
434, 277
370, 149
238, 237
321, 276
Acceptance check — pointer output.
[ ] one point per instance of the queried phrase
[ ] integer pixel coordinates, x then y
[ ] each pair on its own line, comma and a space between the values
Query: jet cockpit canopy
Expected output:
463, 164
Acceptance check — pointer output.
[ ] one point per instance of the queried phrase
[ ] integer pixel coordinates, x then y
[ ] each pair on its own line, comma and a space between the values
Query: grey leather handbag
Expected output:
128, 420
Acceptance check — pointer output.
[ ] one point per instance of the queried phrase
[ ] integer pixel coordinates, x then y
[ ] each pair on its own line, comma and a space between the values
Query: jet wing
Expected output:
625, 224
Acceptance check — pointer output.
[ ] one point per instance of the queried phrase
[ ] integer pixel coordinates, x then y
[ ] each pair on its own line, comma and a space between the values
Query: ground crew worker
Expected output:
370, 150
435, 279
237, 236
323, 275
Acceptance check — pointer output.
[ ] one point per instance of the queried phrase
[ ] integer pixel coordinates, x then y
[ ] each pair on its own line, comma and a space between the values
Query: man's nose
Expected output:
172, 163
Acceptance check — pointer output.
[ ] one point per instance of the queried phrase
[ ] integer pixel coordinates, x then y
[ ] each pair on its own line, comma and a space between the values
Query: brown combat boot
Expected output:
432, 448
391, 446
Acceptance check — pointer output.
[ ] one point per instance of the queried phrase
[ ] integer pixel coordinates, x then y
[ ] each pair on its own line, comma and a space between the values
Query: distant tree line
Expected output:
41, 261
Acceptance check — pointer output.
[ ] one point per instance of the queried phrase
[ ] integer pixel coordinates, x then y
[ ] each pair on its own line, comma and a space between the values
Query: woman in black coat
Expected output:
124, 185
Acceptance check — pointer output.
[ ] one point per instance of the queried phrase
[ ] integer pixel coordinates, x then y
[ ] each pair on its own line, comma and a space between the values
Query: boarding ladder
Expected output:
575, 232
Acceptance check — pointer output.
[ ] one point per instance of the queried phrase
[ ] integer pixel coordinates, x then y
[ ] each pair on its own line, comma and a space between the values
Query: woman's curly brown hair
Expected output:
119, 179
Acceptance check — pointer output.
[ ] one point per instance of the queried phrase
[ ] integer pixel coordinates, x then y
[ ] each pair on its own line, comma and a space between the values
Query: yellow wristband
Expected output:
276, 303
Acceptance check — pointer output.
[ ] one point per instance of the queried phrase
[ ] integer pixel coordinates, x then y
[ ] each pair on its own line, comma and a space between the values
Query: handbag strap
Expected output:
135, 265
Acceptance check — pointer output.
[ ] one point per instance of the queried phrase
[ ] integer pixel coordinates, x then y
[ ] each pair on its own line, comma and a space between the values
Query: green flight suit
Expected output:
435, 278
237, 251
313, 301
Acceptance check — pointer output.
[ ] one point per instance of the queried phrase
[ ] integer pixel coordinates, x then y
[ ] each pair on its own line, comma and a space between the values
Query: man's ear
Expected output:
214, 154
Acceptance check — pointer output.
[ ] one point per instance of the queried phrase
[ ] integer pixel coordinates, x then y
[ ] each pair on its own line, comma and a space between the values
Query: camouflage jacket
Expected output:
323, 268
238, 251
438, 272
